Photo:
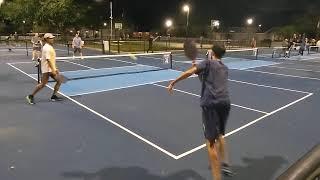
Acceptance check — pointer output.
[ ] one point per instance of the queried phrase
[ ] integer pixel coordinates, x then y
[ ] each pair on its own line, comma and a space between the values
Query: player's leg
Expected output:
209, 117
56, 88
223, 111
44, 81
80, 51
214, 160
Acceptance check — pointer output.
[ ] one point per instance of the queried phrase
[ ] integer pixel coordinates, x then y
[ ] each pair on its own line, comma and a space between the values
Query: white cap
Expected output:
48, 35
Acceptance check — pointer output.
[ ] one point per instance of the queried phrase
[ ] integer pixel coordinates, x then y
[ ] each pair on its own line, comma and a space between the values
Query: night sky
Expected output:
150, 14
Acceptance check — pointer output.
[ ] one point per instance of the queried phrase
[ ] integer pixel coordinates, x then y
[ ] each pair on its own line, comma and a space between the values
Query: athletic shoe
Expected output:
55, 98
226, 170
30, 99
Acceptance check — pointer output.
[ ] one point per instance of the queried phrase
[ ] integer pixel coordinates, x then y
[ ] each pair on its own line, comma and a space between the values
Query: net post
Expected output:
39, 70
68, 47
169, 42
257, 51
170, 56
144, 45
289, 52
27, 48
103, 49
109, 45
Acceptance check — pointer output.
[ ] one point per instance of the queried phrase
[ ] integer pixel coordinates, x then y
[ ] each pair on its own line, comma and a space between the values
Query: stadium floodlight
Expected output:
216, 23
249, 21
168, 23
186, 8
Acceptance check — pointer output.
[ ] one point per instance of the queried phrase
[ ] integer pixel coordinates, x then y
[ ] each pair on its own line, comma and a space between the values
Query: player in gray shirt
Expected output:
215, 104
77, 45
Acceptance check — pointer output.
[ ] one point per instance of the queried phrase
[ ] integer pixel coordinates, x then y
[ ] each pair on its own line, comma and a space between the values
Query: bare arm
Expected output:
183, 76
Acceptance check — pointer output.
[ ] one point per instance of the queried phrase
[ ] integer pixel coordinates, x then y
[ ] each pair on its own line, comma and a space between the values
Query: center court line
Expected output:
106, 119
266, 86
185, 92
245, 126
277, 74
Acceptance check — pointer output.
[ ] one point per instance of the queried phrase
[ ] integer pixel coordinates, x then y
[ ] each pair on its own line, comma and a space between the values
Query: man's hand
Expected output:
194, 63
170, 87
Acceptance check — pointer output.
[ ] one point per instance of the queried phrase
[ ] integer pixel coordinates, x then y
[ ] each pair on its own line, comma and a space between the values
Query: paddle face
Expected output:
190, 49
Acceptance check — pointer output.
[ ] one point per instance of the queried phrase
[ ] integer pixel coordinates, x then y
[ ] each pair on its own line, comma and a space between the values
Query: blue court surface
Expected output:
126, 126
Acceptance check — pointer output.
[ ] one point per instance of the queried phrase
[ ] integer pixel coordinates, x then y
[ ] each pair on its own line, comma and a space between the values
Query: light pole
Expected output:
249, 23
104, 25
23, 28
168, 25
186, 9
111, 18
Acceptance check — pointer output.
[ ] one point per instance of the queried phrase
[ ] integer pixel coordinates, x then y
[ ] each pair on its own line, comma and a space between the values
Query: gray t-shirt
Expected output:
77, 42
215, 87
36, 41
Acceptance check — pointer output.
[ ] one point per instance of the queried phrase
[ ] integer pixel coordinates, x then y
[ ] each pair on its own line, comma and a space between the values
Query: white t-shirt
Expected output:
48, 54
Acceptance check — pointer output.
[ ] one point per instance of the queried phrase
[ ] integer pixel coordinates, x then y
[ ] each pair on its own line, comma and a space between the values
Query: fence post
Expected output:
118, 46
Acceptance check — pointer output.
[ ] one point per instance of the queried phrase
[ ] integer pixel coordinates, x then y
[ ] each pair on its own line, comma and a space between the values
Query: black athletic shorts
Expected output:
36, 48
214, 120
77, 49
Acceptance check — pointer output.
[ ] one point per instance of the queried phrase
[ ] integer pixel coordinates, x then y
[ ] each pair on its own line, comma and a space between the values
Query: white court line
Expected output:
64, 50
185, 92
297, 69
286, 75
107, 119
77, 64
302, 64
22, 62
257, 66
246, 125
297, 58
272, 87
266, 86
15, 54
58, 61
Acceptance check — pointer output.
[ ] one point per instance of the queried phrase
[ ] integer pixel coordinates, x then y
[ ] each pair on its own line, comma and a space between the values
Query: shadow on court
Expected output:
131, 173
263, 168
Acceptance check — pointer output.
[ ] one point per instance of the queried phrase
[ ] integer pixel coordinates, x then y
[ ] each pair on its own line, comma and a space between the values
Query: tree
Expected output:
48, 15
58, 15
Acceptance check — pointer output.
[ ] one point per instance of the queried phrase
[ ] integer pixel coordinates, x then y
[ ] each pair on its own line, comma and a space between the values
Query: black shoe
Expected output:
226, 170
30, 99
55, 98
